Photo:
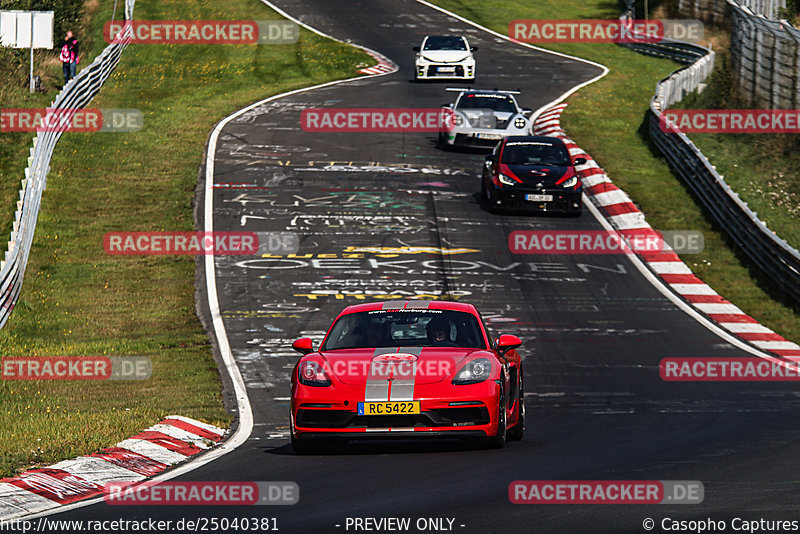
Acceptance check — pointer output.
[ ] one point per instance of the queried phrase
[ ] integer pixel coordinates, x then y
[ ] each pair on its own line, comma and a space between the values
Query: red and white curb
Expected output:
624, 216
144, 455
384, 66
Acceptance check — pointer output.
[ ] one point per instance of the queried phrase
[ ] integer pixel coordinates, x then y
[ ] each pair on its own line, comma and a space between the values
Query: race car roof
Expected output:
533, 139
411, 304
481, 91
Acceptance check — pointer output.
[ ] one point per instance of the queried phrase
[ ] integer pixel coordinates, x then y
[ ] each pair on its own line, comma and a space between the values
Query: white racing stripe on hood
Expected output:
401, 387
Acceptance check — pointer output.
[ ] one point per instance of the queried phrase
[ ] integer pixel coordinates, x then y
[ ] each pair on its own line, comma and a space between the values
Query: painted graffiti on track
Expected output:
362, 200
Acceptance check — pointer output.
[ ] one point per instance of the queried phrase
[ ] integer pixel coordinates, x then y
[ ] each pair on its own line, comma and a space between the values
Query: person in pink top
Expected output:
69, 56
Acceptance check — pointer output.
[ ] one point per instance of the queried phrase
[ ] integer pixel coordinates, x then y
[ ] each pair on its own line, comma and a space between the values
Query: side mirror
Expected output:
527, 111
415, 49
304, 345
474, 48
507, 342
579, 161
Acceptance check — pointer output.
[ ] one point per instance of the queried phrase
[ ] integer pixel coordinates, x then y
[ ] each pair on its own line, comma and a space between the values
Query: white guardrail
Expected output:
717, 10
76, 94
774, 256
765, 56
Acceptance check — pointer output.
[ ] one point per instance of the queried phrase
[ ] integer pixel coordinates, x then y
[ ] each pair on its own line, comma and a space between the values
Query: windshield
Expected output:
444, 43
535, 153
405, 328
500, 103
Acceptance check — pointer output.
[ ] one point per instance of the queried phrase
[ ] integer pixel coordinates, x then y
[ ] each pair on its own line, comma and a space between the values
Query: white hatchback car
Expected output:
444, 57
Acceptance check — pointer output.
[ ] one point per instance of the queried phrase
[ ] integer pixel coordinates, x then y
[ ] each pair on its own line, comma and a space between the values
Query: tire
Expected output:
516, 432
487, 198
492, 206
484, 192
498, 441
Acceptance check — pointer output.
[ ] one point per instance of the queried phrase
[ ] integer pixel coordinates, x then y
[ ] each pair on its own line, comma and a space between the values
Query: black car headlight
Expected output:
505, 179
571, 182
520, 123
310, 373
475, 371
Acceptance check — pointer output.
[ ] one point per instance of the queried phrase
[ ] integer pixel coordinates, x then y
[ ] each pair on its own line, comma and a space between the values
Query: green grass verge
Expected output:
761, 168
607, 119
14, 146
14, 93
78, 301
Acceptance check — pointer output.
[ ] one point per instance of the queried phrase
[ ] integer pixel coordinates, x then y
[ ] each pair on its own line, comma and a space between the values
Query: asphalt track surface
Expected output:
594, 329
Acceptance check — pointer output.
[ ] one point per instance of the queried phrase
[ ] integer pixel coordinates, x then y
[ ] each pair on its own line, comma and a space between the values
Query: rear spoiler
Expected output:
462, 89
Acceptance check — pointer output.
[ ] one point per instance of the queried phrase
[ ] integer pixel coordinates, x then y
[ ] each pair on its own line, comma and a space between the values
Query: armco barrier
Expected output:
717, 10
776, 258
765, 57
767, 8
77, 93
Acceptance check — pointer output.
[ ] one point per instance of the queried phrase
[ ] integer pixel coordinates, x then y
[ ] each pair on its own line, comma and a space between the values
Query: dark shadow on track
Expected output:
376, 446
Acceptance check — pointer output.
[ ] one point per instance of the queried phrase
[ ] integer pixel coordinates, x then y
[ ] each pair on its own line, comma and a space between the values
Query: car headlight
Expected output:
458, 119
475, 371
505, 179
312, 374
571, 182
520, 123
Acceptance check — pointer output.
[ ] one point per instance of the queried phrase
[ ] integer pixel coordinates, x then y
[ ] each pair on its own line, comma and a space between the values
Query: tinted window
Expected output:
444, 43
535, 153
405, 328
494, 102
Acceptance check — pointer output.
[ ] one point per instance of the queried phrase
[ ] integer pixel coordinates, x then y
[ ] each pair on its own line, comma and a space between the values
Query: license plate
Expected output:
539, 198
446, 69
388, 408
489, 136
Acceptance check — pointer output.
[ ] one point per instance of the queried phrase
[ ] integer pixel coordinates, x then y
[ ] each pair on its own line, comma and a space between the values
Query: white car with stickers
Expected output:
444, 57
481, 118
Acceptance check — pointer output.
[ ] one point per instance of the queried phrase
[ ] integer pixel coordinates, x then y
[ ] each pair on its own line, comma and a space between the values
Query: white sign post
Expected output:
27, 29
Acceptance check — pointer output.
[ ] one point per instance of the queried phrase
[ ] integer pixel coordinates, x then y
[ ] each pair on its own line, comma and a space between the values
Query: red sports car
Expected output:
407, 369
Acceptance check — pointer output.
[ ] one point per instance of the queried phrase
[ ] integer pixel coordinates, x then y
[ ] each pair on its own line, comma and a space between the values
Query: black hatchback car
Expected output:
532, 173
